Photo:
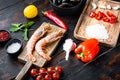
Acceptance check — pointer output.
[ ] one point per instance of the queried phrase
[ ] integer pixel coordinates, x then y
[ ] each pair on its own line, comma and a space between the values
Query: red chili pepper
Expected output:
110, 17
92, 14
54, 18
105, 19
87, 50
110, 14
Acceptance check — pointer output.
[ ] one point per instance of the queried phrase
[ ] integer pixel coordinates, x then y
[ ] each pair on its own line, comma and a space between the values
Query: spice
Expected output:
4, 35
54, 18
14, 47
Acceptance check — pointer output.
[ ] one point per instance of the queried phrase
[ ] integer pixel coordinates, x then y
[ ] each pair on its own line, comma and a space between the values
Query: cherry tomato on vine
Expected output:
48, 77
39, 77
42, 70
33, 72
58, 69
56, 76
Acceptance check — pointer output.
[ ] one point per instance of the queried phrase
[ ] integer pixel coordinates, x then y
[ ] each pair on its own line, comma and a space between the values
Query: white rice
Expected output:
97, 31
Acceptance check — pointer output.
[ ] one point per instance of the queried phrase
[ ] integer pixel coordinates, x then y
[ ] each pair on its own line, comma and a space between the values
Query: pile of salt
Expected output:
14, 47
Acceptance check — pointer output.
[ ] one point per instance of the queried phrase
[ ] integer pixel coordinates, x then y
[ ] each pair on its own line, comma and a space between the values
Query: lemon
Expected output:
30, 11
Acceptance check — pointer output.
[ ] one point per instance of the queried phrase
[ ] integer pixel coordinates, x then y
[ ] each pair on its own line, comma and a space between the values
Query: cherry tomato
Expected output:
58, 69
43, 74
42, 70
92, 14
50, 72
33, 72
56, 76
48, 77
105, 19
39, 77
50, 69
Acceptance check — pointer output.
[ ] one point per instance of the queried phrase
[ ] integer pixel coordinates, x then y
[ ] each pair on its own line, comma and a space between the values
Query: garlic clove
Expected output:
116, 7
109, 7
102, 6
94, 6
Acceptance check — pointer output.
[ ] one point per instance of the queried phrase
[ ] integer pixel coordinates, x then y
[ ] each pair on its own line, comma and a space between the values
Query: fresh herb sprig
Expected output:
22, 27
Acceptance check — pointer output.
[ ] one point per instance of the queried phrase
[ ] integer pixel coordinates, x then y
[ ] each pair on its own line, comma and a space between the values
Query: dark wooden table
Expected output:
105, 67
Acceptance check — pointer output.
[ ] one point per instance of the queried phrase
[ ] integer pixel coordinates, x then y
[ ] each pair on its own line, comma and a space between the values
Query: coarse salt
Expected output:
97, 31
14, 47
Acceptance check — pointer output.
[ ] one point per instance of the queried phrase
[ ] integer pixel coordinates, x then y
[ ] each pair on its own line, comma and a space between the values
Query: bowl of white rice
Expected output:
13, 47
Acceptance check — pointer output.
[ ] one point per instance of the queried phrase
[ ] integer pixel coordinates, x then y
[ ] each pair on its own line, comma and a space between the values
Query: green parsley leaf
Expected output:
25, 35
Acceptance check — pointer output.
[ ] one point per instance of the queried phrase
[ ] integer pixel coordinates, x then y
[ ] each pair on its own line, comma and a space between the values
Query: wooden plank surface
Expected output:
84, 21
50, 48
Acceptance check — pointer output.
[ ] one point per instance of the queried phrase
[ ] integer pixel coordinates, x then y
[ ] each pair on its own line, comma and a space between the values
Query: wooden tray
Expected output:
84, 20
40, 61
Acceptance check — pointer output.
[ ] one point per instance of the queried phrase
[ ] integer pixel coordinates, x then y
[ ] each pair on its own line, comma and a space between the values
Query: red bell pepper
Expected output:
54, 18
87, 50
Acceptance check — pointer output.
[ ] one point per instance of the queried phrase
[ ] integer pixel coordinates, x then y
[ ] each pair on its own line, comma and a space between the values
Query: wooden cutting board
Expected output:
40, 62
84, 21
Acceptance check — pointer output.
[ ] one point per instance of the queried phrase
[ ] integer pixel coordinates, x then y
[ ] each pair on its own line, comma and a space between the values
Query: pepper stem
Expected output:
43, 12
82, 55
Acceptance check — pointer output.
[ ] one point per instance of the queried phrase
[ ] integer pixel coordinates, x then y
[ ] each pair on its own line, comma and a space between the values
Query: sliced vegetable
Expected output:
105, 19
111, 18
110, 14
92, 14
54, 18
87, 50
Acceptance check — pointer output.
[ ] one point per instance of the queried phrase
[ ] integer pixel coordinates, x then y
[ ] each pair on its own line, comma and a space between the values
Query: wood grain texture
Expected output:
50, 48
24, 70
84, 21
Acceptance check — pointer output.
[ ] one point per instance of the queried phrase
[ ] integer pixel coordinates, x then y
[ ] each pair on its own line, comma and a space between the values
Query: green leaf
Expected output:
25, 36
16, 25
29, 24
14, 29
22, 27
